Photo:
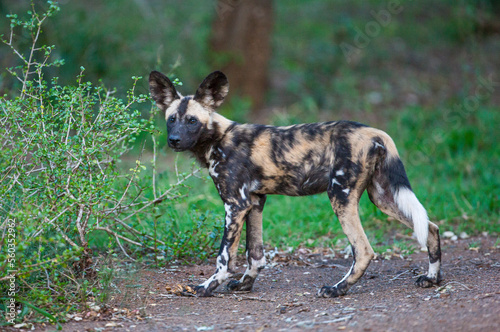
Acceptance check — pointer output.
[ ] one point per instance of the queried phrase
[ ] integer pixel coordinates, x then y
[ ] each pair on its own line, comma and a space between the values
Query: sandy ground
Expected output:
283, 299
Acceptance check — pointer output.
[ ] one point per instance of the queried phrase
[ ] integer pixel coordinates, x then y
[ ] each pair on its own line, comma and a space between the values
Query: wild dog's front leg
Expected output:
235, 215
255, 247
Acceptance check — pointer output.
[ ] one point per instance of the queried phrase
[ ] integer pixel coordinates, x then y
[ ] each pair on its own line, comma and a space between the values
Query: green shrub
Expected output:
62, 188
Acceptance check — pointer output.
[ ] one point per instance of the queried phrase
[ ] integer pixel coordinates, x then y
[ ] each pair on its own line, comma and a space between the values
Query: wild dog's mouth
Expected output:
180, 146
177, 147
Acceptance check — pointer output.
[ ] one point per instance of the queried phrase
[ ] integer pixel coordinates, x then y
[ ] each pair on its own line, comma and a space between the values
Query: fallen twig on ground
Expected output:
399, 275
252, 298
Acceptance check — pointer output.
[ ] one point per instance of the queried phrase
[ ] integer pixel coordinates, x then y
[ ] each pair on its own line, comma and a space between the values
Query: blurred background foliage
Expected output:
429, 54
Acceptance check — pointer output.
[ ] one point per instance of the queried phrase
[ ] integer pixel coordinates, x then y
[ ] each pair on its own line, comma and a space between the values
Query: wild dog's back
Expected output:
294, 160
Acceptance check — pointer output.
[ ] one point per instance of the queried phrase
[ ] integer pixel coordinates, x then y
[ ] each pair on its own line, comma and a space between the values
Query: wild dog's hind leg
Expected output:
255, 247
235, 215
393, 195
362, 252
433, 276
345, 204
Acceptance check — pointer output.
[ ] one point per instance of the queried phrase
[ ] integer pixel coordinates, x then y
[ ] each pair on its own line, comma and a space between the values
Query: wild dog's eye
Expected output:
171, 119
192, 121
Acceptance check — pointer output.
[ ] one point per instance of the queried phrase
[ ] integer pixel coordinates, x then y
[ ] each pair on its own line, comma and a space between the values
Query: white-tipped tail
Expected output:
413, 210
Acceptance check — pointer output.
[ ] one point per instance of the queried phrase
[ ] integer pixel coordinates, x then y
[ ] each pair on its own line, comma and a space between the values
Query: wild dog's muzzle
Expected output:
174, 141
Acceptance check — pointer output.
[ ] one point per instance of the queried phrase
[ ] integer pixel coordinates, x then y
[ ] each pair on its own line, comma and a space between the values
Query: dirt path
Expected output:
385, 299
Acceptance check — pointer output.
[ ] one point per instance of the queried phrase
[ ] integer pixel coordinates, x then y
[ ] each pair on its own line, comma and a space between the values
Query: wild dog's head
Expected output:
189, 118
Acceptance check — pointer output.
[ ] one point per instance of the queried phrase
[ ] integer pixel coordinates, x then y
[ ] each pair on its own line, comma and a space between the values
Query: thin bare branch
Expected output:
121, 247
109, 231
48, 223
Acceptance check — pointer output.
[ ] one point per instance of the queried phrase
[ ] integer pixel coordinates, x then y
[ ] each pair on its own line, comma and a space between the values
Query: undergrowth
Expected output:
68, 211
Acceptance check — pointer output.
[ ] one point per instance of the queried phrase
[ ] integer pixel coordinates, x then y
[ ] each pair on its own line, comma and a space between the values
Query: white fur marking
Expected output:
413, 210
254, 271
242, 191
380, 190
222, 273
433, 270
207, 282
339, 173
334, 181
209, 153
254, 186
227, 207
211, 169
222, 153
347, 274
346, 191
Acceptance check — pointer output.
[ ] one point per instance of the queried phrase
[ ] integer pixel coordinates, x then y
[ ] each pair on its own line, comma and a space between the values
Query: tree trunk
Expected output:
241, 45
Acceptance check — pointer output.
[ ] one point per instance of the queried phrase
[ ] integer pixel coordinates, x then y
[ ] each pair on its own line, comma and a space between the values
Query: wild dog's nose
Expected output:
174, 140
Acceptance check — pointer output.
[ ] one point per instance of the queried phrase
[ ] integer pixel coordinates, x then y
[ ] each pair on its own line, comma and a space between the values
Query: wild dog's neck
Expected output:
214, 131
222, 122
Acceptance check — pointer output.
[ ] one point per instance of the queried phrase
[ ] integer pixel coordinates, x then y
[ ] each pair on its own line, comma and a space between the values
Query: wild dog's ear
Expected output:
162, 90
212, 90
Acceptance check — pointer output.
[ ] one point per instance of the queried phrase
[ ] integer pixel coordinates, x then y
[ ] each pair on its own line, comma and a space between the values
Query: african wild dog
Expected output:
248, 162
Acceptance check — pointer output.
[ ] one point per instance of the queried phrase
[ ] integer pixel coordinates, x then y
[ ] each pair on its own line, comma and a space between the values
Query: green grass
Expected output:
453, 170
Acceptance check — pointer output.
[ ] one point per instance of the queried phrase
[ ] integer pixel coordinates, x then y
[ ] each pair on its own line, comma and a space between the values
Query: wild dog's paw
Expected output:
333, 291
236, 285
201, 291
426, 282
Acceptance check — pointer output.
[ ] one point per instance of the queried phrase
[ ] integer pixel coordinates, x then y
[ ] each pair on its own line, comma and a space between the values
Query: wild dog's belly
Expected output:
295, 182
